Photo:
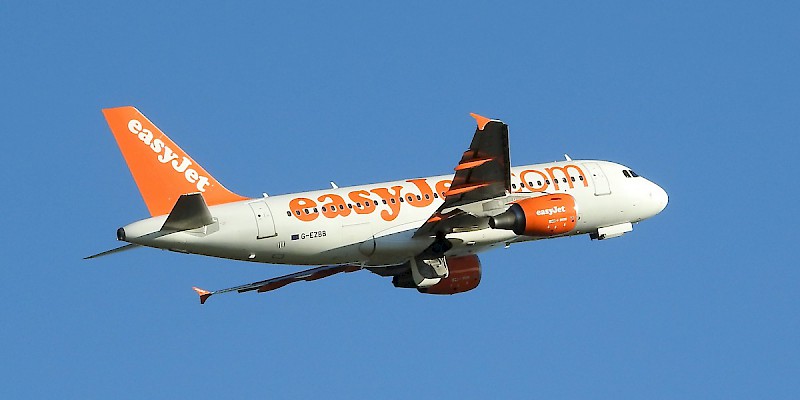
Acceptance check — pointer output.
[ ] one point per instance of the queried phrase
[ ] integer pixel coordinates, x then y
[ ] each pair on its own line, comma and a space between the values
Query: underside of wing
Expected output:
281, 281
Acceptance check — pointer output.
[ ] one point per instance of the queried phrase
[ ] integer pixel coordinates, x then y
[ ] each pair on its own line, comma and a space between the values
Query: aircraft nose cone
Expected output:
659, 197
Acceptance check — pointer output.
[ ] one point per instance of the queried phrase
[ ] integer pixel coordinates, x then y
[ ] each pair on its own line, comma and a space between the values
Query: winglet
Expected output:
204, 294
482, 121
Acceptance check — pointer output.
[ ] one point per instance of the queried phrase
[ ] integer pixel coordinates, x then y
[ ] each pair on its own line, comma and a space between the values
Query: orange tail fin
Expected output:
160, 168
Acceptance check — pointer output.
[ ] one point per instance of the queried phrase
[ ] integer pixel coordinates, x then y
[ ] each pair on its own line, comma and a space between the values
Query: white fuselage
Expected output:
370, 225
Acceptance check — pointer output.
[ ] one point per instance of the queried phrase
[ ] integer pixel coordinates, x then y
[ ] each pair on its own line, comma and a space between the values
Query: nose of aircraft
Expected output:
659, 197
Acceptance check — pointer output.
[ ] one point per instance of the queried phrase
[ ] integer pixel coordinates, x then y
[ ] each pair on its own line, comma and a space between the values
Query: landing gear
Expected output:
422, 273
439, 246
427, 268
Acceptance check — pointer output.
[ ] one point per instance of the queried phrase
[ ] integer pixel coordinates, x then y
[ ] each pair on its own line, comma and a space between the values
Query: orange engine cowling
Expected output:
548, 215
464, 275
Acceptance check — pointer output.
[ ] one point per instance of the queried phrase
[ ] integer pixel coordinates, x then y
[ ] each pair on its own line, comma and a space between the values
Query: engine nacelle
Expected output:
465, 275
548, 215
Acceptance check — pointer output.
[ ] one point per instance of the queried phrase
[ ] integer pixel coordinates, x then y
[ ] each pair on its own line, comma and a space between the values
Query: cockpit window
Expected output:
629, 173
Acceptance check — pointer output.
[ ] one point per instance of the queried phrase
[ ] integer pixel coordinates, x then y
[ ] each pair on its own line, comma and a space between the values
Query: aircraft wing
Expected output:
281, 281
482, 174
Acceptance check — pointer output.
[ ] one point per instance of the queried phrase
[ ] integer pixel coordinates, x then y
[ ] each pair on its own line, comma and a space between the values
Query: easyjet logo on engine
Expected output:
167, 155
551, 211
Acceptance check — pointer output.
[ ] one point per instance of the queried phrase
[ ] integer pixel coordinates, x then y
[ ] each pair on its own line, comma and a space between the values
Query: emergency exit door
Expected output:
601, 186
266, 226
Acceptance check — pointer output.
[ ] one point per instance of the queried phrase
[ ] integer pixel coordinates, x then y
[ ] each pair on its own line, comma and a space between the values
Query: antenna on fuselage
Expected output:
567, 157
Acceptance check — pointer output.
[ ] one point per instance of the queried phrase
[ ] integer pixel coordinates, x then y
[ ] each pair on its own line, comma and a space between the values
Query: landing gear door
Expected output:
601, 186
266, 226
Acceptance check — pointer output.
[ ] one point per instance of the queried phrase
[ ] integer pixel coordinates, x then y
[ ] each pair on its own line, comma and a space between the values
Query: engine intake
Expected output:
547, 215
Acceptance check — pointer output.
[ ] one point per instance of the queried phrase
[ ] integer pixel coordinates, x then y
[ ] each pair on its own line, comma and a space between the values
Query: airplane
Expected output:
424, 233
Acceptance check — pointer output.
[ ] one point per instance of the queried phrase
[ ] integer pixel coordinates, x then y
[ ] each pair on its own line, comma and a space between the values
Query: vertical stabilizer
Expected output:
162, 170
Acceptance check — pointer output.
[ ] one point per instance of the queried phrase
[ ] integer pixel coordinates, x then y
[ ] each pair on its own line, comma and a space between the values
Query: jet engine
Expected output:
547, 215
464, 274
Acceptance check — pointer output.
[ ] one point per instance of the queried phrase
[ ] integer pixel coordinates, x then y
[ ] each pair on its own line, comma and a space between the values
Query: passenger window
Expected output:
341, 207
401, 200
305, 210
393, 201
384, 201
324, 209
573, 178
564, 180
580, 177
288, 213
349, 205
315, 210
538, 183
547, 180
419, 197
435, 195
514, 185
376, 202
427, 196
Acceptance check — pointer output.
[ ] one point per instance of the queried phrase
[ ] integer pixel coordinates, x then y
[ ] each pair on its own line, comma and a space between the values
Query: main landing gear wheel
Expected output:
439, 246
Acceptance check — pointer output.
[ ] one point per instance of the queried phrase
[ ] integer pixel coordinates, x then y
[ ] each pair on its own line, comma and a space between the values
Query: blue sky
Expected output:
702, 301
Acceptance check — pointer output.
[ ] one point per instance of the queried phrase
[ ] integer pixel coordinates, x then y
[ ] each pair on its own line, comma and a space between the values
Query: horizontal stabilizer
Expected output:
189, 212
112, 251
